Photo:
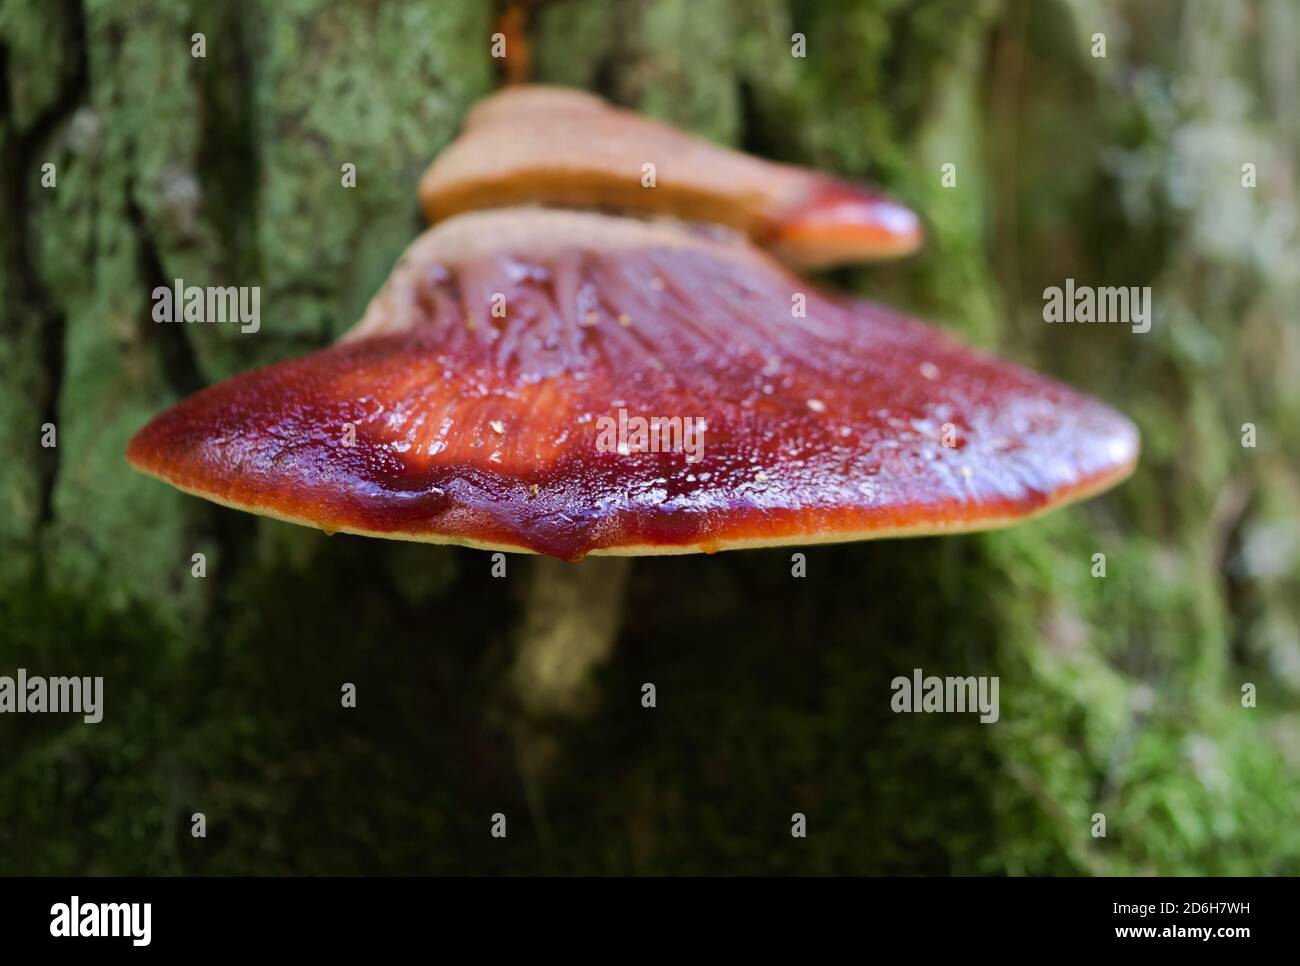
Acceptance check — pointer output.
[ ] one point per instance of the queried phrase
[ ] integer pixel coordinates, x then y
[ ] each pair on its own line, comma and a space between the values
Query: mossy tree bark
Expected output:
1121, 695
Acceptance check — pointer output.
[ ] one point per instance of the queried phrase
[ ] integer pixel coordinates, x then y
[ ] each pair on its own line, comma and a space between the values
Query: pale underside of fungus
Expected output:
472, 402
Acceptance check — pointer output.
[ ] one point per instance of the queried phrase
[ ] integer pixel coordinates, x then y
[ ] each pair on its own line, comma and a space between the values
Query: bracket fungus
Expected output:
562, 147
464, 407
471, 403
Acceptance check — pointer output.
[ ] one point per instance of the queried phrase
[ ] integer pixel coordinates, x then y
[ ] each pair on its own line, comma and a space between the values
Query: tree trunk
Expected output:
1121, 695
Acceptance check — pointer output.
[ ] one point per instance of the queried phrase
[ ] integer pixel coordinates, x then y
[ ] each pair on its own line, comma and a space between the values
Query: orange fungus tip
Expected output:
840, 222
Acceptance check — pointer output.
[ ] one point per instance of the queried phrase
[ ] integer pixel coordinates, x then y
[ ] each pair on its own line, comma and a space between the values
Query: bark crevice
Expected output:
29, 300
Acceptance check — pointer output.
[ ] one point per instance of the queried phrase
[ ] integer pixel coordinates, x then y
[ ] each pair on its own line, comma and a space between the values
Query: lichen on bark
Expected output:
1120, 696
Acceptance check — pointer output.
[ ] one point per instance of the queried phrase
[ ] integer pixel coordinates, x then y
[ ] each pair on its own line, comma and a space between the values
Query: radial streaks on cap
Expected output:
474, 404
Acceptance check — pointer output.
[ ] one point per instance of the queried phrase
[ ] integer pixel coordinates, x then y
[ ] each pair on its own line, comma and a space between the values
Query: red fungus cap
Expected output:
473, 404
559, 146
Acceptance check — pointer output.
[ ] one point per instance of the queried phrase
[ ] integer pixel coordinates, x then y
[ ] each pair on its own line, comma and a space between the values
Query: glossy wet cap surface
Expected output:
490, 397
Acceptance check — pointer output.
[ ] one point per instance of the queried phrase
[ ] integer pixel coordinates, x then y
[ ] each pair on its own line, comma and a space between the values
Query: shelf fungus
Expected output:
560, 147
635, 379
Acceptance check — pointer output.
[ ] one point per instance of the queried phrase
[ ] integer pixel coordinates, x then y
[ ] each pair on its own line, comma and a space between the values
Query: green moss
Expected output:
1120, 696
20, 434
383, 89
